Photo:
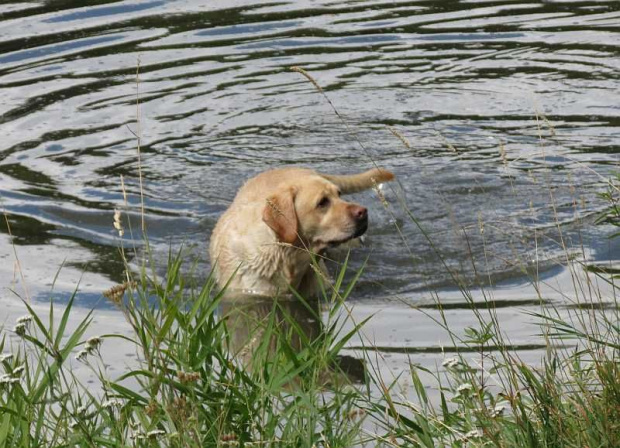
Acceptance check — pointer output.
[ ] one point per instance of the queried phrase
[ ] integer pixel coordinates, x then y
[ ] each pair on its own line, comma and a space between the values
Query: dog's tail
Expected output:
359, 182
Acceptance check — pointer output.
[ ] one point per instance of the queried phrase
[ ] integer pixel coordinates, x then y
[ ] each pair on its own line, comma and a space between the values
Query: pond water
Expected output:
510, 111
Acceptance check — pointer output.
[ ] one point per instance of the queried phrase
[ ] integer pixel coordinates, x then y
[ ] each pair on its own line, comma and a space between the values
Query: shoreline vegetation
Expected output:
213, 373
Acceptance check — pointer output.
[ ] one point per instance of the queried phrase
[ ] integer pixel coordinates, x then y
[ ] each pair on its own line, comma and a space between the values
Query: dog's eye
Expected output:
339, 193
323, 203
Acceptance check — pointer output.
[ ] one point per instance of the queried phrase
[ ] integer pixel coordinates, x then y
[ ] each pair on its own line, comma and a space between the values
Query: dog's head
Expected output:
312, 213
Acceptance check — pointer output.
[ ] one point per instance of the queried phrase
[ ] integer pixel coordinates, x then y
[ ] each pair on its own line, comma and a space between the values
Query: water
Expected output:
511, 110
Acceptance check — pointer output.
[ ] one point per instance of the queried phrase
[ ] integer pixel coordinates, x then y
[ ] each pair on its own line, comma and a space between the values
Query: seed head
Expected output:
20, 329
400, 136
188, 377
118, 225
464, 388
308, 77
24, 320
93, 343
82, 355
379, 190
115, 293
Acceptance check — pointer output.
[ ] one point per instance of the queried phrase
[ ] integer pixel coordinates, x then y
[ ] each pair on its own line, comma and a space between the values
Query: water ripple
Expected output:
502, 102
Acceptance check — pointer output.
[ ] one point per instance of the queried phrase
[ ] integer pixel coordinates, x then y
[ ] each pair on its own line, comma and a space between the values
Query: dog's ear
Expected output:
279, 214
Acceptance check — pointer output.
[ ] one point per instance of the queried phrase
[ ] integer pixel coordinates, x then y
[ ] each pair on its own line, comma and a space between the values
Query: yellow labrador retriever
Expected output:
265, 241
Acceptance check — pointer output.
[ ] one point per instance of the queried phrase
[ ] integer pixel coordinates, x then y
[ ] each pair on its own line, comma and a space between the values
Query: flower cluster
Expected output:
156, 433
111, 404
464, 388
13, 377
8, 379
473, 434
498, 410
188, 377
92, 346
22, 325
451, 363
115, 293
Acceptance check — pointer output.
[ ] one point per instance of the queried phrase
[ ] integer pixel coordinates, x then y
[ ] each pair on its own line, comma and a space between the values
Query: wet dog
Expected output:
266, 240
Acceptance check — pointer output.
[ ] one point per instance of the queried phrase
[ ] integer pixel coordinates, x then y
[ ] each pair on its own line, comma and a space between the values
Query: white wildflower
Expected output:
498, 410
91, 346
82, 409
8, 379
465, 387
6, 357
473, 434
450, 363
81, 356
155, 433
17, 371
110, 404
24, 319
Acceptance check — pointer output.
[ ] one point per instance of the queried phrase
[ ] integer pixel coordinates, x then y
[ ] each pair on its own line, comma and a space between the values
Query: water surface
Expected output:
510, 110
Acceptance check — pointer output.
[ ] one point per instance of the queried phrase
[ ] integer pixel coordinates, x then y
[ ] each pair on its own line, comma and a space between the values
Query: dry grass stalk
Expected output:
379, 190
139, 138
308, 77
118, 225
188, 377
115, 293
450, 146
502, 153
400, 136
124, 190
18, 264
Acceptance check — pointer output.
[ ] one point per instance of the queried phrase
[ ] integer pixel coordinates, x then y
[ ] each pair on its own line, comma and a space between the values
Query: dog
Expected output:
279, 222
257, 323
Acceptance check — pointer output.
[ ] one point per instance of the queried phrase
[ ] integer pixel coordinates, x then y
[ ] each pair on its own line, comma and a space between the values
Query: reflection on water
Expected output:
510, 110
263, 327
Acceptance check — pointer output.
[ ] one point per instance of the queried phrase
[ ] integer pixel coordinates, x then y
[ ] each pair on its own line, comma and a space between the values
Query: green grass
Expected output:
193, 391
283, 387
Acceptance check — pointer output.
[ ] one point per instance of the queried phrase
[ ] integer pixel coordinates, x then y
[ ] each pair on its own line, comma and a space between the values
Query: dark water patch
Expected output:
611, 306
488, 304
600, 269
104, 11
461, 349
